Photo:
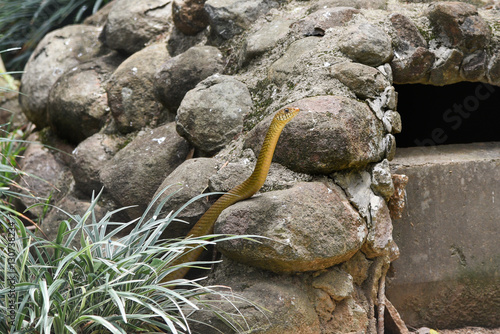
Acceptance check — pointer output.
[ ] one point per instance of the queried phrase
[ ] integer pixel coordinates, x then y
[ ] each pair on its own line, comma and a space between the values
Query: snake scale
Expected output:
250, 186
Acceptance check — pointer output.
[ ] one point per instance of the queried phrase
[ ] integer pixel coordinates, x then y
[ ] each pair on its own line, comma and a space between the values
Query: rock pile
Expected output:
164, 80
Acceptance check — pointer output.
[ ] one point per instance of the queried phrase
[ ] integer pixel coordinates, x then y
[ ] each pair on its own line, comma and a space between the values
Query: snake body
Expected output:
250, 186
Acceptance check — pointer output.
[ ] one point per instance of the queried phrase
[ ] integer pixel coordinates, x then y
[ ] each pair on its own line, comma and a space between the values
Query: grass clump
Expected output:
111, 284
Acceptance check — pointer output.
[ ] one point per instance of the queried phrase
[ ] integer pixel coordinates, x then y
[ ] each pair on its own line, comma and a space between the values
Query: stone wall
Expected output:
448, 273
146, 95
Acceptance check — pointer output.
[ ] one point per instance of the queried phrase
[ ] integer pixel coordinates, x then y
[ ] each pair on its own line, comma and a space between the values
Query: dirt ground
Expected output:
466, 330
471, 330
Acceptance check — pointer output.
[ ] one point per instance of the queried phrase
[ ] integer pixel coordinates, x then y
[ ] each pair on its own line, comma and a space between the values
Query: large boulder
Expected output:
212, 113
290, 64
406, 34
458, 25
365, 81
182, 73
46, 179
316, 23
133, 175
367, 44
75, 114
412, 67
131, 90
264, 39
330, 301
89, 157
187, 181
310, 226
272, 303
340, 133
228, 18
234, 173
131, 24
57, 52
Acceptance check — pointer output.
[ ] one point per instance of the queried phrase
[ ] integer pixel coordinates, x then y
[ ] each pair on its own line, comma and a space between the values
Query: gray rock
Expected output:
364, 81
391, 98
57, 52
317, 23
336, 282
392, 121
412, 67
379, 239
99, 18
228, 18
189, 16
341, 133
388, 99
89, 157
264, 39
377, 106
349, 317
134, 174
324, 305
289, 64
368, 4
212, 113
458, 25
11, 112
367, 44
178, 43
45, 178
357, 266
357, 186
387, 71
397, 202
75, 114
307, 227
493, 70
132, 24
270, 303
390, 146
474, 66
131, 91
280, 177
188, 180
234, 173
407, 36
59, 215
446, 69
183, 72
382, 180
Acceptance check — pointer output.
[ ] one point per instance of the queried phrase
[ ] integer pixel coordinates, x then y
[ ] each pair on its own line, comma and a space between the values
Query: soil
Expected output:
466, 330
471, 330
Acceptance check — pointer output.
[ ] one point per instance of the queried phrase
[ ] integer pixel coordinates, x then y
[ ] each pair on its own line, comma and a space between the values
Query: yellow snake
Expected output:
250, 186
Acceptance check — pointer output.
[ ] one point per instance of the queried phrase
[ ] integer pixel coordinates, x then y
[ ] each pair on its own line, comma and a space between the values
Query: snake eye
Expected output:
287, 110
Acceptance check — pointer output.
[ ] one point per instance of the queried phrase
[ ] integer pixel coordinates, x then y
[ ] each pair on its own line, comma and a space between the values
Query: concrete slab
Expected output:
448, 275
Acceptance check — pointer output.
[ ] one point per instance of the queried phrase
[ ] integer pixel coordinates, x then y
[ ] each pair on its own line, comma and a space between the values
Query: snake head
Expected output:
286, 114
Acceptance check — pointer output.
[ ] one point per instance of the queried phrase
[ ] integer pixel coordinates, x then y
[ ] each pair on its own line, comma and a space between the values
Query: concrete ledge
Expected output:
448, 274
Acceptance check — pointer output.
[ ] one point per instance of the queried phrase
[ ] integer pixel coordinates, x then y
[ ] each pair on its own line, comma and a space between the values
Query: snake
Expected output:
205, 225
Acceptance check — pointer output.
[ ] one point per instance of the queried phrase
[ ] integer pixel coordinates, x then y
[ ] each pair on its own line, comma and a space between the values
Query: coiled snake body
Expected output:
250, 186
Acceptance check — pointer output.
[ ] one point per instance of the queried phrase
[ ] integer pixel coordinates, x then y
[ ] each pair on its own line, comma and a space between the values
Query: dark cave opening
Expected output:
461, 113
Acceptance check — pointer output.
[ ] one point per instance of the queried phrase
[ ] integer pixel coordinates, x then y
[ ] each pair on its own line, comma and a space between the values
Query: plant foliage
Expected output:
111, 284
24, 23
